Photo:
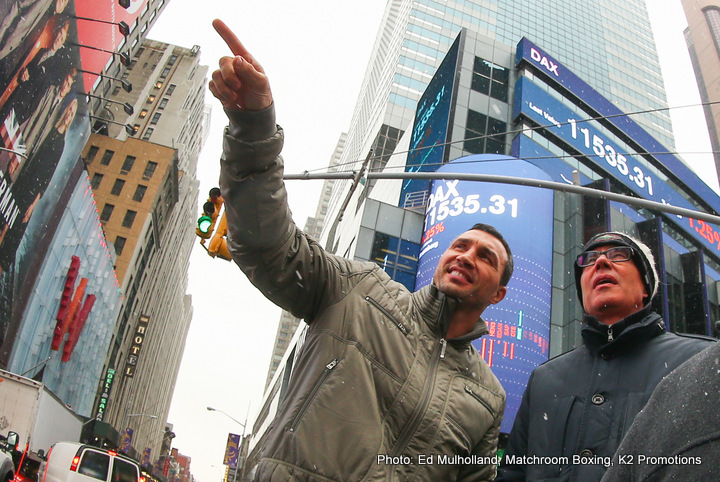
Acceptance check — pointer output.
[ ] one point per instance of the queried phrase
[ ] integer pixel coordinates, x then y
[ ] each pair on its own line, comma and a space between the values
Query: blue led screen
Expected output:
520, 324
430, 129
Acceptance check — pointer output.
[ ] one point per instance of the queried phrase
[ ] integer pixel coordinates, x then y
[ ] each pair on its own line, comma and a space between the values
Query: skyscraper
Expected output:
703, 41
147, 197
610, 45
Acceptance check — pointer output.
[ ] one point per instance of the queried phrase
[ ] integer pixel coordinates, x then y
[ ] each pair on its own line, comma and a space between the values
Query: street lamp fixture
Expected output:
128, 128
211, 409
127, 107
124, 56
122, 26
127, 86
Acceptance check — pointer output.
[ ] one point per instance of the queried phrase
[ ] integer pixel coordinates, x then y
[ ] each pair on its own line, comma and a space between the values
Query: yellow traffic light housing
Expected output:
204, 226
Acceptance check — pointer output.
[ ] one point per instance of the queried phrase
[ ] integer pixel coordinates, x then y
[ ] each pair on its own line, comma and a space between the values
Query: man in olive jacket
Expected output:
578, 406
387, 385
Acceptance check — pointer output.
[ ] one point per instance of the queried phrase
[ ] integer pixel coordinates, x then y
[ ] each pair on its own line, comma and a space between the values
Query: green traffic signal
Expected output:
204, 224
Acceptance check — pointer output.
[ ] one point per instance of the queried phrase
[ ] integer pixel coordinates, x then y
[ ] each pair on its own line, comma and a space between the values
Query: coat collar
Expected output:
641, 325
436, 309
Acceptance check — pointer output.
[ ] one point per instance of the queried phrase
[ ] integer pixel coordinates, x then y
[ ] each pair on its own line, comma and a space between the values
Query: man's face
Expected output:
612, 291
66, 85
471, 268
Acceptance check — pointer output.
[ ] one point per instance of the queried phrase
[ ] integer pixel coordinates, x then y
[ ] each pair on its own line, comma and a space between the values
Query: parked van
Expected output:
76, 462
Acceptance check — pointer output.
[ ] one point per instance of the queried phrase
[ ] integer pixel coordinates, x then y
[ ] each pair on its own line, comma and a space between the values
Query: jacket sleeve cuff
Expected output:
250, 126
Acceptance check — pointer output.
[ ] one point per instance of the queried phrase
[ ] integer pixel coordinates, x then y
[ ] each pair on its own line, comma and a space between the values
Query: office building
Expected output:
501, 101
609, 44
703, 41
147, 198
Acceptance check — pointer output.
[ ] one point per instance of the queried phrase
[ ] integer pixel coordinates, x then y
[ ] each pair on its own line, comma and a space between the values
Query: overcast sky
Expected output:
315, 54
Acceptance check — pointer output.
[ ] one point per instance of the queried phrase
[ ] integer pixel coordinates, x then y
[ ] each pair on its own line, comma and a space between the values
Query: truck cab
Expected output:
7, 448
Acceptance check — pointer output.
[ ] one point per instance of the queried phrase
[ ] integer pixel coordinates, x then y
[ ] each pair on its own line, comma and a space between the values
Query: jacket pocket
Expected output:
313, 393
404, 329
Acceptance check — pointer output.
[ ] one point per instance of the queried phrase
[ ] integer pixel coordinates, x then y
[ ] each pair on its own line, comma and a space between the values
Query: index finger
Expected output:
236, 47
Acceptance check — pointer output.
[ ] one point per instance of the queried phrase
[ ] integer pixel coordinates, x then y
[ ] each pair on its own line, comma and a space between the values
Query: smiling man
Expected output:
387, 384
578, 406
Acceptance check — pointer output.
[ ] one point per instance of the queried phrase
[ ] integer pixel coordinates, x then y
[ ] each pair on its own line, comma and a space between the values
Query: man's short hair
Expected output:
508, 270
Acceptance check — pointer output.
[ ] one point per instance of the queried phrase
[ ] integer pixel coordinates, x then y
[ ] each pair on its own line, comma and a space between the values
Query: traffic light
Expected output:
218, 243
206, 221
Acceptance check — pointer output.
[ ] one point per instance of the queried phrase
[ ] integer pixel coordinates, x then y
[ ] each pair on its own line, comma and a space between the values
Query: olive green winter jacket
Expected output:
376, 393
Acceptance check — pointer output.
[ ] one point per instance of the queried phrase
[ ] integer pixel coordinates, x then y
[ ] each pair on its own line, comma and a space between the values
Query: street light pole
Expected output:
242, 437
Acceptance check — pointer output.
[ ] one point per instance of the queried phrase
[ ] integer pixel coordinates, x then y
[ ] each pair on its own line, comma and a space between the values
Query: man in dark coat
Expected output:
578, 406
677, 434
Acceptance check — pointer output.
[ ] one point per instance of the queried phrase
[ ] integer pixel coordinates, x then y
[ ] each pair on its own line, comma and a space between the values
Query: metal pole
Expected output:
558, 186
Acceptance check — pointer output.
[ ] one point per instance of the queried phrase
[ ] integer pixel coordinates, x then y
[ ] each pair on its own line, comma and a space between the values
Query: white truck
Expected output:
38, 417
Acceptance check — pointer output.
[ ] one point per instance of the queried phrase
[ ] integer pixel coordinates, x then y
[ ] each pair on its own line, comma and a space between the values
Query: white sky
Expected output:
315, 54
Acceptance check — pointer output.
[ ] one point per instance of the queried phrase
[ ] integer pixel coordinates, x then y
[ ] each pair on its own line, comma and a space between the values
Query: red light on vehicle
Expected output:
75, 462
114, 454
142, 479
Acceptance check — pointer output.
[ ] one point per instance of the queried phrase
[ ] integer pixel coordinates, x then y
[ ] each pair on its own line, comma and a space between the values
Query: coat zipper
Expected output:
313, 392
437, 354
610, 334
479, 399
401, 326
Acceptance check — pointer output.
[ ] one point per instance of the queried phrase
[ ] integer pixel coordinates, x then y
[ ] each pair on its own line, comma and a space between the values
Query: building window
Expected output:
107, 157
148, 132
170, 89
119, 245
140, 191
484, 134
165, 72
163, 103
91, 153
117, 187
490, 79
136, 128
151, 99
397, 257
106, 213
712, 17
149, 170
143, 113
172, 60
129, 219
96, 179
128, 164
155, 118
158, 84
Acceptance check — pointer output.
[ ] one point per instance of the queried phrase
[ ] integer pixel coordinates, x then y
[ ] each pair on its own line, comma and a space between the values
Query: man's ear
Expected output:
499, 295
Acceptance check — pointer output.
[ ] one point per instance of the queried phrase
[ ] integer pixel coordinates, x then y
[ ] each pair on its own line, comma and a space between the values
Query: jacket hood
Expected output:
437, 309
643, 324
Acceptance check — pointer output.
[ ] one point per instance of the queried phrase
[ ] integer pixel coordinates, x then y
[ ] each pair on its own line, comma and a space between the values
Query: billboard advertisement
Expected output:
101, 26
430, 129
43, 128
519, 326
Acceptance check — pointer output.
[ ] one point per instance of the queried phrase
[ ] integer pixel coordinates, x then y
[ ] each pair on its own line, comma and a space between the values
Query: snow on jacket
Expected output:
377, 393
677, 435
578, 406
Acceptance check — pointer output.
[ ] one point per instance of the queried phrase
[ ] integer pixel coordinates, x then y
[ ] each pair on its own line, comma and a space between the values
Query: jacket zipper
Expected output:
416, 417
479, 399
610, 335
313, 392
401, 326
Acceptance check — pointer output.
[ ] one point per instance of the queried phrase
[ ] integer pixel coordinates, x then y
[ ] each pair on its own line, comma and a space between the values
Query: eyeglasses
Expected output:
616, 255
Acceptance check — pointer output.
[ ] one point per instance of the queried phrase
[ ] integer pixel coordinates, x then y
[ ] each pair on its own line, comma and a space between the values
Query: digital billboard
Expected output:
430, 129
519, 326
536, 104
